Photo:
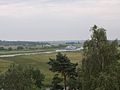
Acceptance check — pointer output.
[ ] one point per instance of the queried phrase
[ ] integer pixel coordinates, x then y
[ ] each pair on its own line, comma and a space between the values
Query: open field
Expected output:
38, 61
25, 51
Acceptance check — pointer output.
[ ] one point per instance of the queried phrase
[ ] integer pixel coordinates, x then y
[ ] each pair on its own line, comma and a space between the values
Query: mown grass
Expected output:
38, 61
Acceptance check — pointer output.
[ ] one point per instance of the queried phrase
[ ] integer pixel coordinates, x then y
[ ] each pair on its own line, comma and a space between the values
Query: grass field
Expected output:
26, 51
38, 61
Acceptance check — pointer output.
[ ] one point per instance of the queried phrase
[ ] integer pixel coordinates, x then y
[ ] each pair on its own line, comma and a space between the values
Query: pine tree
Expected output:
63, 66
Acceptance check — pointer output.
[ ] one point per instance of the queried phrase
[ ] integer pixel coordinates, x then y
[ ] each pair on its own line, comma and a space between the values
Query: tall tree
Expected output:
63, 66
99, 55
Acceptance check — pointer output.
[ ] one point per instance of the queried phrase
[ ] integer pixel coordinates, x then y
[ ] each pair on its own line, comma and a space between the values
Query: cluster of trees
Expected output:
11, 48
100, 69
22, 43
6, 49
19, 77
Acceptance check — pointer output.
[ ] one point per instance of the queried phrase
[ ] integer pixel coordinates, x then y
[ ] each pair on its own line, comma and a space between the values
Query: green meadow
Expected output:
38, 61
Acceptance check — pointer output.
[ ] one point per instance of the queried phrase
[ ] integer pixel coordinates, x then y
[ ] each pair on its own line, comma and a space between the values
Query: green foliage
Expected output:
105, 81
10, 49
20, 48
100, 56
56, 83
73, 84
18, 77
38, 77
63, 66
2, 48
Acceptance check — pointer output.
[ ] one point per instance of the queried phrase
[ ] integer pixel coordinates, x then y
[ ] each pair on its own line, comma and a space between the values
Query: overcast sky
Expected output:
57, 19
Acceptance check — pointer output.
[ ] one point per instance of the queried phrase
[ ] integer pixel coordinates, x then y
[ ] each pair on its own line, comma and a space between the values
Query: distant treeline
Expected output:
22, 43
33, 43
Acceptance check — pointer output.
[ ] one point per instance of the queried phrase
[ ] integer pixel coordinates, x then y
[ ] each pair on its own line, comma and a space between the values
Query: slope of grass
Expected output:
39, 61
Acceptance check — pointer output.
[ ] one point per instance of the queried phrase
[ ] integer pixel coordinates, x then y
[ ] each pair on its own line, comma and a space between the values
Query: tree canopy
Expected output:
100, 58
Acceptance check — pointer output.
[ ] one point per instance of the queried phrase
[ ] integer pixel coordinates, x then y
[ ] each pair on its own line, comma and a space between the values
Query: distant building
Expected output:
47, 45
71, 48
78, 49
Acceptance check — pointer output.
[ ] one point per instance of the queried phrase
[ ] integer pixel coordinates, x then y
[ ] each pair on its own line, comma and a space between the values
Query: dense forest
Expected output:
99, 69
